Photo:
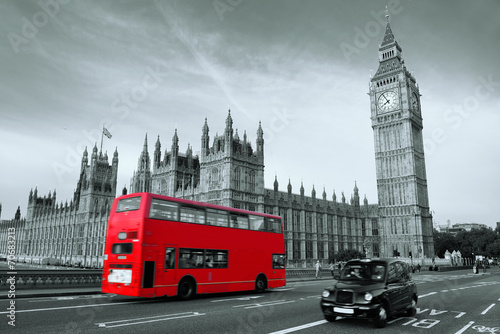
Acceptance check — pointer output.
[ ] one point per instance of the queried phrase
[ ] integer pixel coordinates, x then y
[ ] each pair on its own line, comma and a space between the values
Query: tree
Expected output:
348, 254
444, 241
482, 241
493, 249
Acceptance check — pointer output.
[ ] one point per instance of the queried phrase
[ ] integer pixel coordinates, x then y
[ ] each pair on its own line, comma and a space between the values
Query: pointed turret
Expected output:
115, 157
85, 159
389, 54
228, 135
260, 139
388, 35
175, 144
94, 153
144, 160
157, 154
18, 213
205, 140
355, 197
229, 124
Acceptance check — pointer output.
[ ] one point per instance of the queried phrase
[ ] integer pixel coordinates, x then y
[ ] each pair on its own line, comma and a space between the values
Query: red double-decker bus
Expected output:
164, 246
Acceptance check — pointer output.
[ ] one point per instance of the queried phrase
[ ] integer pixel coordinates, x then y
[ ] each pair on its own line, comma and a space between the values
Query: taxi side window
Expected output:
400, 272
392, 274
405, 273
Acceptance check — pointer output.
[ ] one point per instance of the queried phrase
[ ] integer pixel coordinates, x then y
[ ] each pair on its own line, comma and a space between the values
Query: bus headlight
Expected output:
122, 235
368, 296
325, 293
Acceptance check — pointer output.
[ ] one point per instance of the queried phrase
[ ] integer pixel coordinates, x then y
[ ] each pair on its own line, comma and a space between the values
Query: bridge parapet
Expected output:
40, 279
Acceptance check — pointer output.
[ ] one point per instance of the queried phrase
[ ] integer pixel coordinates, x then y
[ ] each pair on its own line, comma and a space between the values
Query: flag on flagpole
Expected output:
106, 132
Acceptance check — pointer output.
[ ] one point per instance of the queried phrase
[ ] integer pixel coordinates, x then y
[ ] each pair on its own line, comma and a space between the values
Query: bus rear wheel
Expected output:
260, 283
186, 289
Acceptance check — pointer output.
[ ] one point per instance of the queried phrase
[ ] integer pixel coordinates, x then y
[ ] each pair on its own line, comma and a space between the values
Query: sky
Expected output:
302, 69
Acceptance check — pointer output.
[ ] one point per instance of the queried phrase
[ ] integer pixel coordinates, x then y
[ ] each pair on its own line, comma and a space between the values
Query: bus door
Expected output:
150, 263
169, 262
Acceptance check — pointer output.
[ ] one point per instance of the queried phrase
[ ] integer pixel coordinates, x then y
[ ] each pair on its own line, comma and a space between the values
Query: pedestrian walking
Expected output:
318, 269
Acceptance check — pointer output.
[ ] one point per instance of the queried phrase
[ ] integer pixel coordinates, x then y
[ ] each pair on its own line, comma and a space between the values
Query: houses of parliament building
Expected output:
229, 171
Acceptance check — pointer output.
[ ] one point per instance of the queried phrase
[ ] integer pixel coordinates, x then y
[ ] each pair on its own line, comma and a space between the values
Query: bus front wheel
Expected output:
260, 284
186, 289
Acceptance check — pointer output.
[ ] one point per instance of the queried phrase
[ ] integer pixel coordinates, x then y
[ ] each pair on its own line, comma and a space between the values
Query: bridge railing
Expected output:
40, 279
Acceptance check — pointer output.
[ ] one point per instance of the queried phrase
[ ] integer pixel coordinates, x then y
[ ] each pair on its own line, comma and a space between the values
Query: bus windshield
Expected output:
128, 204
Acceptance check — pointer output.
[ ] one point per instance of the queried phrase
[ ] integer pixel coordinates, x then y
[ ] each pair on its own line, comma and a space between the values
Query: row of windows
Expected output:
166, 210
195, 257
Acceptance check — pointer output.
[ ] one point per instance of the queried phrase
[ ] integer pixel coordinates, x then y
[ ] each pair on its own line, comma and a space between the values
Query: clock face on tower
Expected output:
387, 101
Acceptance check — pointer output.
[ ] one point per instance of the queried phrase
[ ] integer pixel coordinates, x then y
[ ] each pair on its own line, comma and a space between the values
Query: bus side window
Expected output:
278, 261
190, 258
170, 258
192, 214
277, 226
256, 223
216, 217
163, 210
216, 258
238, 221
273, 225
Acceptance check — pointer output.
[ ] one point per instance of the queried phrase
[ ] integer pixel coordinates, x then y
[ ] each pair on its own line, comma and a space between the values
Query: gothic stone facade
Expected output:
405, 218
230, 172
72, 233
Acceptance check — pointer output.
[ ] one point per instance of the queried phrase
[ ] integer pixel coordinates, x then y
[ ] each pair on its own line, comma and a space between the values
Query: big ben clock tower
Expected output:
405, 221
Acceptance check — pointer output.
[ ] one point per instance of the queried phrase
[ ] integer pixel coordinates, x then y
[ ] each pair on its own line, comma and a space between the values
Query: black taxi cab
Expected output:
372, 289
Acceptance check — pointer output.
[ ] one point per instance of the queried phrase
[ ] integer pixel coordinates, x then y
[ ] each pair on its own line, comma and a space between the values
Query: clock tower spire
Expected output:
404, 216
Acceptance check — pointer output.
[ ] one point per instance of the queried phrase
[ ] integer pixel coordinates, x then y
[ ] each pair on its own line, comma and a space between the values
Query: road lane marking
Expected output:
240, 298
263, 304
77, 306
130, 322
465, 328
298, 328
429, 294
57, 299
487, 309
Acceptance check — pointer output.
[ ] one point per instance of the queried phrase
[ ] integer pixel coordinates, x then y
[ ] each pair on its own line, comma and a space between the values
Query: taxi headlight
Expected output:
368, 296
325, 293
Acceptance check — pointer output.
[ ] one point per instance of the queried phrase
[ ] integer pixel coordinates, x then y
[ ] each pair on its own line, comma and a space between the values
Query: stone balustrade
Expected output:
40, 279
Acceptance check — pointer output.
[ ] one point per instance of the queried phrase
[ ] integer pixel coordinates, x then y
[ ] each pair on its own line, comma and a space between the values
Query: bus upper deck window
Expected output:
128, 204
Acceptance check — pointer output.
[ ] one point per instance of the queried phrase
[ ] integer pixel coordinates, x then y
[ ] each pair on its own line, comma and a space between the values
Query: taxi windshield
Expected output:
363, 272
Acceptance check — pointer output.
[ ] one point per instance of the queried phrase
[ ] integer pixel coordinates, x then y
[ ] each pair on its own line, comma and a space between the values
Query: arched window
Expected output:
251, 182
237, 178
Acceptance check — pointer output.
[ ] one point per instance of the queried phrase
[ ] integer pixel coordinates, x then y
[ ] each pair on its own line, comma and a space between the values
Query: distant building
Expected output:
13, 227
230, 172
469, 226
72, 233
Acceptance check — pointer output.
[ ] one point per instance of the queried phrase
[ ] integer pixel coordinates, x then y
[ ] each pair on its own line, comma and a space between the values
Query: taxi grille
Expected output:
344, 297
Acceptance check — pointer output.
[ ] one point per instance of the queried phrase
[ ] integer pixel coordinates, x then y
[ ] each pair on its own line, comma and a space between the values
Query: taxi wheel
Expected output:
413, 308
381, 319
